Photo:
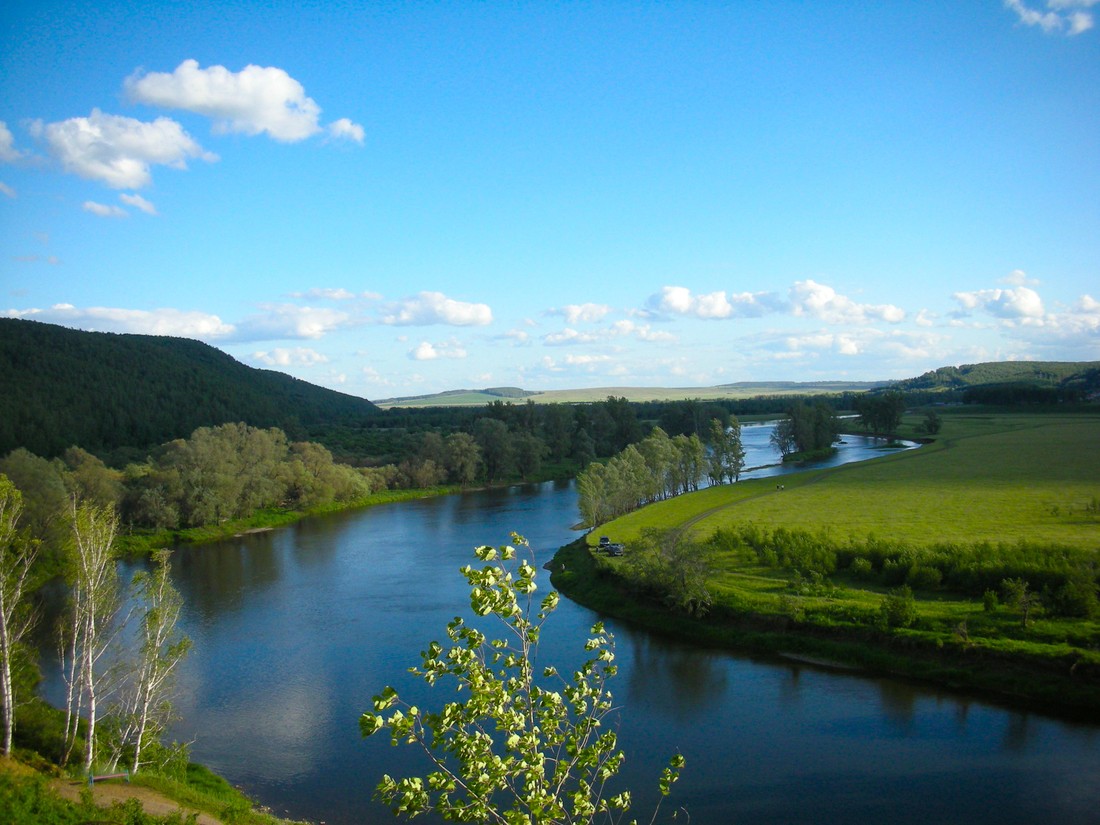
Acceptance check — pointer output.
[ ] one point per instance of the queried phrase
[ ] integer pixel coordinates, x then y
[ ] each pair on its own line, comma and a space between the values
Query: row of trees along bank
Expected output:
659, 467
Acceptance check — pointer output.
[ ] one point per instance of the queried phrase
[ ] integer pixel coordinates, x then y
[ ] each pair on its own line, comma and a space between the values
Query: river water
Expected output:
296, 629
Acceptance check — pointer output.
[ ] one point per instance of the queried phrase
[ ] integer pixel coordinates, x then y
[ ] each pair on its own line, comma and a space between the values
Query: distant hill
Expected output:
743, 389
458, 398
1084, 375
102, 391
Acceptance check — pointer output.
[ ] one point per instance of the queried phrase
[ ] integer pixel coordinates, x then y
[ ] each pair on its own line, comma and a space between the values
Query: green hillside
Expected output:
1054, 374
102, 391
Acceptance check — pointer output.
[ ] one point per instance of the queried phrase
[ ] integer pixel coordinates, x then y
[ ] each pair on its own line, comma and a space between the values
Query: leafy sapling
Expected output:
521, 744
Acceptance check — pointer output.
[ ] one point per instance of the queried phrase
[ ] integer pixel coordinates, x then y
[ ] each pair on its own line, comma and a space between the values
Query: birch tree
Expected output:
521, 742
17, 556
94, 602
146, 707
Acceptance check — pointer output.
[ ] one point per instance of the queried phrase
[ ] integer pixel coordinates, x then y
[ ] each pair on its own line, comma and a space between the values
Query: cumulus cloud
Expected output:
295, 357
436, 308
105, 211
138, 202
426, 351
642, 332
1016, 304
147, 322
569, 337
344, 129
8, 152
678, 300
1018, 277
254, 100
279, 321
581, 313
1069, 16
518, 337
825, 303
118, 151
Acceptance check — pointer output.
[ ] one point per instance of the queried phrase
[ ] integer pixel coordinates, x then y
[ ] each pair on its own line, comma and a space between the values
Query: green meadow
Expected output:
997, 477
899, 564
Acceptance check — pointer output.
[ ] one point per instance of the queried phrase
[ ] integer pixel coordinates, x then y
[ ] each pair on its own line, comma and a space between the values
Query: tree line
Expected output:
659, 467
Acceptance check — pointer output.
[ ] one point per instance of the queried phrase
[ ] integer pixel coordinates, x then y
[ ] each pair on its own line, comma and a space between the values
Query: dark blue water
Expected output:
296, 629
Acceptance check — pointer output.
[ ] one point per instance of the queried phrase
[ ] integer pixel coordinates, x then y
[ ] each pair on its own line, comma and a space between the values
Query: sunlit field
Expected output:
997, 477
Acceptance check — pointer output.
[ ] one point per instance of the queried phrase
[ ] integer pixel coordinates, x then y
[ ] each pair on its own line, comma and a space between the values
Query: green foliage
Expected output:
666, 565
103, 391
526, 745
899, 608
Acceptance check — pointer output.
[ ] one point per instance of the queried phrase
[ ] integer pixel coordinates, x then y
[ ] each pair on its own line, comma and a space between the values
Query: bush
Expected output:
862, 568
924, 577
899, 608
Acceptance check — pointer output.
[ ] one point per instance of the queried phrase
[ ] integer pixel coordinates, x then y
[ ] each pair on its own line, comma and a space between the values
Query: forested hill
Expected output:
1080, 375
61, 387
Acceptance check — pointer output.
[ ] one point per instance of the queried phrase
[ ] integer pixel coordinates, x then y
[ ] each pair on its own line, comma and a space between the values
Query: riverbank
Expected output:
138, 542
1057, 688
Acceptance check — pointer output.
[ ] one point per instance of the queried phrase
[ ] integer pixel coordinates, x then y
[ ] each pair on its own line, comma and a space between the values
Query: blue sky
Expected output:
402, 198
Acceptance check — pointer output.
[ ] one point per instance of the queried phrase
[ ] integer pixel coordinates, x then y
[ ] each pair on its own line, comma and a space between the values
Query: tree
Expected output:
147, 706
94, 602
524, 745
1018, 593
674, 570
496, 447
881, 414
727, 456
782, 437
17, 555
461, 456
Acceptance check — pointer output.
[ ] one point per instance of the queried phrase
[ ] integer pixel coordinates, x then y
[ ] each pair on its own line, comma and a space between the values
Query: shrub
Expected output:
899, 608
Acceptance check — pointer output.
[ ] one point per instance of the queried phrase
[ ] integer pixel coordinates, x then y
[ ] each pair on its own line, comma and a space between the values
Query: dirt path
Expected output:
117, 790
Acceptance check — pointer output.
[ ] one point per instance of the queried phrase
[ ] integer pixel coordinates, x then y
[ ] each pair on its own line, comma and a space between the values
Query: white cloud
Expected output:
679, 300
254, 100
586, 360
924, 318
1060, 15
569, 337
642, 332
8, 152
330, 294
1020, 303
280, 321
296, 357
582, 313
1018, 277
518, 337
425, 351
825, 303
7, 190
147, 322
119, 151
105, 211
436, 308
344, 129
138, 202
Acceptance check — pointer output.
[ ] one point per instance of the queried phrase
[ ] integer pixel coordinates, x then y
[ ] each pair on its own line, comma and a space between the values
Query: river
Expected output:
294, 630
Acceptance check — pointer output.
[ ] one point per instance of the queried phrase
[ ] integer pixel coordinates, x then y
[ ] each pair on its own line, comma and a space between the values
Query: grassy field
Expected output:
995, 493
987, 477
